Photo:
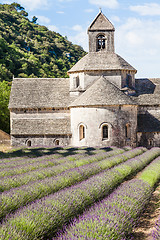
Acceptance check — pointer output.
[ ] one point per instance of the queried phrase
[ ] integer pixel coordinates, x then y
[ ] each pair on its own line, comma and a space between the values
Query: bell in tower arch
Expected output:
101, 34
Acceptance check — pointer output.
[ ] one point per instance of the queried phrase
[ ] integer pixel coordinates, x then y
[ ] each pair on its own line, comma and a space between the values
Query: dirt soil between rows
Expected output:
148, 218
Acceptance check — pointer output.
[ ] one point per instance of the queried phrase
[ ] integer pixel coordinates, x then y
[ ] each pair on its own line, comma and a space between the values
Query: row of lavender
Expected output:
156, 231
18, 197
47, 153
26, 165
114, 217
18, 180
44, 217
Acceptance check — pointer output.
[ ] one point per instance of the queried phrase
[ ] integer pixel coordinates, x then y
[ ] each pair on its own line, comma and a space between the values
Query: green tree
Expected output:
4, 112
24, 13
34, 19
17, 6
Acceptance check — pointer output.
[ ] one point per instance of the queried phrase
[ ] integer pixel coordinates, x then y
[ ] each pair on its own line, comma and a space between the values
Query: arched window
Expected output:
29, 143
128, 131
105, 132
57, 142
81, 132
101, 42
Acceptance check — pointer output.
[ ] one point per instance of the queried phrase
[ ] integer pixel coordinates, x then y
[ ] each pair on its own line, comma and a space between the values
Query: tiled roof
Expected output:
101, 23
101, 61
40, 93
148, 122
148, 91
102, 92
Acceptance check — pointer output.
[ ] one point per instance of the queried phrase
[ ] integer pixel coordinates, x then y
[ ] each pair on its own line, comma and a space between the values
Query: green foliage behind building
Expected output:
30, 50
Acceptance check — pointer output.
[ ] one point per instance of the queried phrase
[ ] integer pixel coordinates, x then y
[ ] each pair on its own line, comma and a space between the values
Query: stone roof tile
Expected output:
101, 22
101, 61
40, 93
102, 92
148, 122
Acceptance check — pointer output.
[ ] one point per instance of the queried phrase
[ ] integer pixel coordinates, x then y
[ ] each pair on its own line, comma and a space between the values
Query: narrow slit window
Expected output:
105, 132
81, 132
128, 131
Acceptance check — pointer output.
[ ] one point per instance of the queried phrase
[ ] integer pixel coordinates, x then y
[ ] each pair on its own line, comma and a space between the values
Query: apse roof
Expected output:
102, 93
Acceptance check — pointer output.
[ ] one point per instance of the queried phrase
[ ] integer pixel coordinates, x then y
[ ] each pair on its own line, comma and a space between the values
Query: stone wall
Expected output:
109, 35
48, 141
117, 77
41, 128
148, 126
93, 118
148, 139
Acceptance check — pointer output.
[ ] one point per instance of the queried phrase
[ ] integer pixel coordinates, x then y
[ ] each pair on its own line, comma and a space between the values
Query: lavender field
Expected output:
75, 193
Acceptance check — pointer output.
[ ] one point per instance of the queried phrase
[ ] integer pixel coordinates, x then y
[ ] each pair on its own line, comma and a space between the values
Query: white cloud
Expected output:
34, 4
65, 0
60, 12
43, 19
89, 10
80, 39
7, 2
115, 19
53, 28
150, 9
77, 28
137, 41
105, 3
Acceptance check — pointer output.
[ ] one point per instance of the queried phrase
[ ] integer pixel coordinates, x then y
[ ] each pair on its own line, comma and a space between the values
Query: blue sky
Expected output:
137, 24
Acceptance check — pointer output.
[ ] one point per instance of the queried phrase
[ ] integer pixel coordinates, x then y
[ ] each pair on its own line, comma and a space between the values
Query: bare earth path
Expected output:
147, 221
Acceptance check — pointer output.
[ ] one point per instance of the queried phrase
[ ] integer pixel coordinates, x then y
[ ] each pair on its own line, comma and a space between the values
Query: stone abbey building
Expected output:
100, 104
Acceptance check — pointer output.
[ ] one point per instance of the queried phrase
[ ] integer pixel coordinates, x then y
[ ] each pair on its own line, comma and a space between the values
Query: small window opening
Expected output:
101, 42
77, 82
150, 142
81, 132
129, 80
128, 131
29, 143
105, 132
57, 142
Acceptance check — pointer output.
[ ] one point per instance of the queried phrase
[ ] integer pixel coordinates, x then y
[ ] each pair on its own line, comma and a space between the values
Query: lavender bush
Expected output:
42, 218
115, 216
19, 197
20, 167
7, 183
156, 231
25, 161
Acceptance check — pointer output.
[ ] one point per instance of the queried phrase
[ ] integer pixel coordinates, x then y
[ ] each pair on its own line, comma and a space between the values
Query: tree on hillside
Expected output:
4, 112
34, 19
17, 6
24, 13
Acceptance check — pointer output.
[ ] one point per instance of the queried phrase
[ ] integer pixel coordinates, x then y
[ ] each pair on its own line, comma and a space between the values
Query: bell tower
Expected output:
101, 34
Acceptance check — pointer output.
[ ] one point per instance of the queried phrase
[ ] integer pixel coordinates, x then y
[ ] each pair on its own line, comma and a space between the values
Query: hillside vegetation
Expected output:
28, 49
31, 50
